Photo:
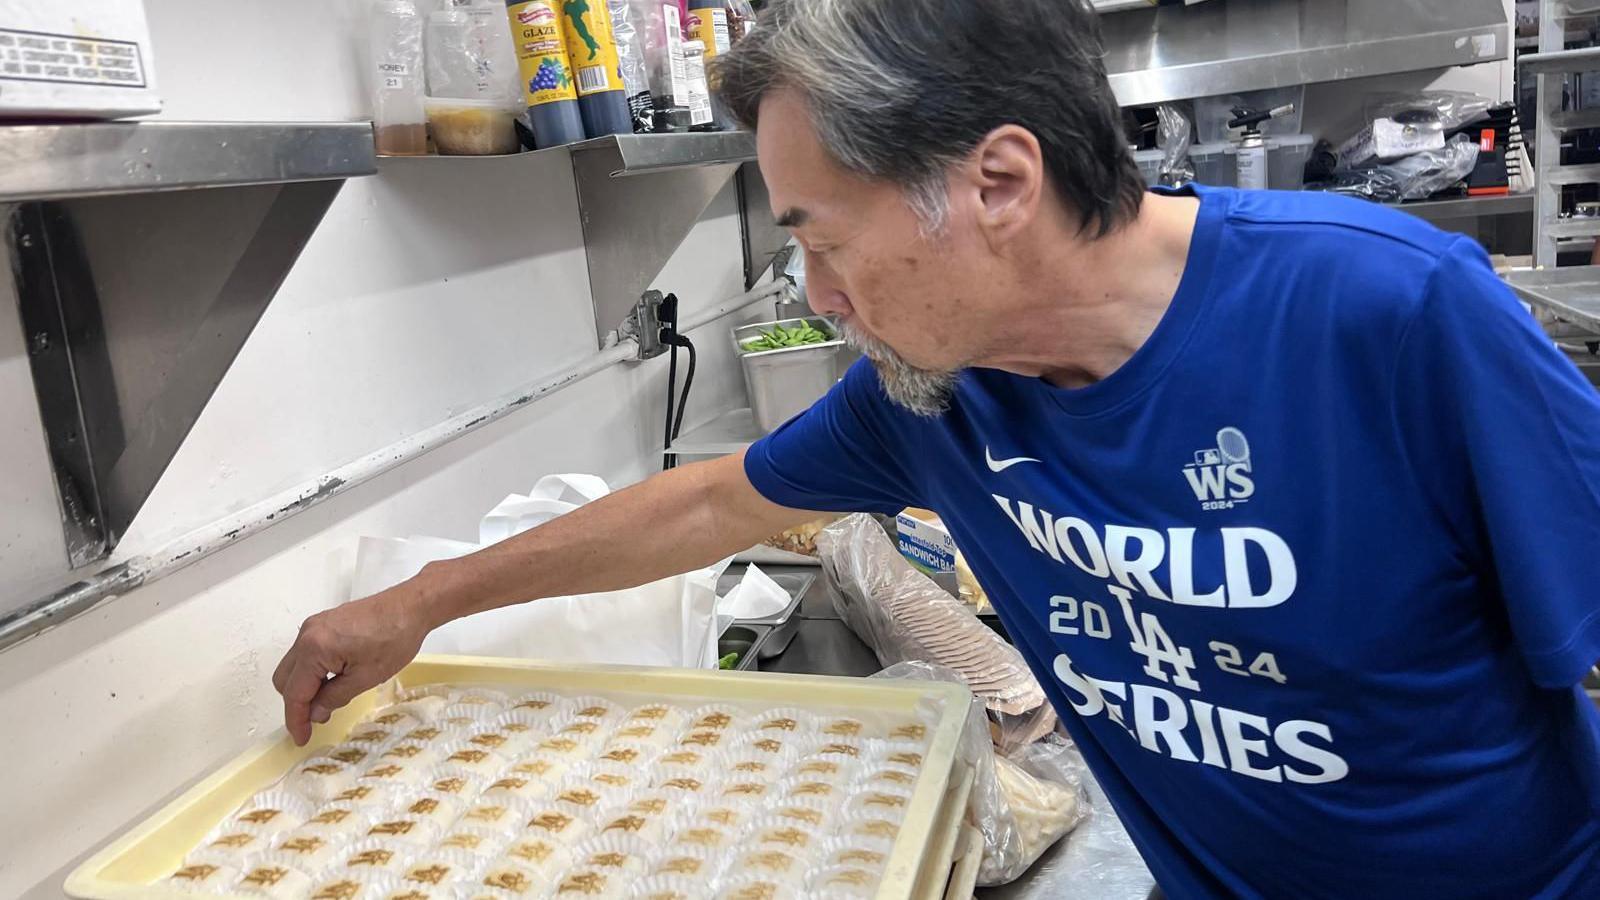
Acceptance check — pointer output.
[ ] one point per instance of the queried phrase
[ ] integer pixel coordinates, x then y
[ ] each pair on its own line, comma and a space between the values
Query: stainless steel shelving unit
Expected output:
1176, 52
60, 162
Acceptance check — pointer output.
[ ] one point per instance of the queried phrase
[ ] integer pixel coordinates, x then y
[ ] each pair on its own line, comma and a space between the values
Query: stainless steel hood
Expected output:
143, 254
1227, 46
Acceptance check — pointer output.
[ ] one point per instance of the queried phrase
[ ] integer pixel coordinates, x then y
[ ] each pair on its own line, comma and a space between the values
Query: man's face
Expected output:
909, 300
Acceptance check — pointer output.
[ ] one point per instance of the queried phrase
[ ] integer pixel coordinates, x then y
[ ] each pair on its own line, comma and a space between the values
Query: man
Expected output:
1291, 508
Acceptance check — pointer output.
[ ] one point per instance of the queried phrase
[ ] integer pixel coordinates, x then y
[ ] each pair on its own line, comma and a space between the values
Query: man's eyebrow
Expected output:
793, 218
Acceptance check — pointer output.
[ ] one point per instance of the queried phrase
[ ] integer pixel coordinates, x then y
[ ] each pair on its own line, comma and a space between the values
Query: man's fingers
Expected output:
299, 688
339, 690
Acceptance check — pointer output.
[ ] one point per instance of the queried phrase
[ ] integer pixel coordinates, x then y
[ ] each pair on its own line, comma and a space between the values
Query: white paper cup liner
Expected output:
752, 888
715, 717
482, 696
574, 748
545, 854
700, 834
439, 808
373, 737
344, 885
204, 876
841, 727
271, 811
475, 758
664, 714
481, 842
698, 863
397, 718
627, 753
414, 753
440, 868
273, 875
747, 791
807, 811
342, 822
524, 787
876, 828
613, 777
831, 794
502, 813
653, 802
508, 878
423, 709
764, 862
853, 749
374, 855
667, 887
647, 827
698, 762
888, 778
562, 824
708, 739
753, 767
692, 786
454, 781
857, 852
405, 775
786, 748
621, 855
904, 754
904, 728
230, 847
474, 713
777, 833
844, 882
838, 769
727, 816
540, 704
545, 767
785, 721
876, 803
319, 779
582, 797
373, 797
584, 883
405, 830
445, 692
353, 754
596, 708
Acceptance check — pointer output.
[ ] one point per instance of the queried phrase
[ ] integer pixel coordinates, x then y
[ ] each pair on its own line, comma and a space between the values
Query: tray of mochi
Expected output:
468, 778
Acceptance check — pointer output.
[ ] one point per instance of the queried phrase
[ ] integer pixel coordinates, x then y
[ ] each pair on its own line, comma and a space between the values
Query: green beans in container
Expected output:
788, 365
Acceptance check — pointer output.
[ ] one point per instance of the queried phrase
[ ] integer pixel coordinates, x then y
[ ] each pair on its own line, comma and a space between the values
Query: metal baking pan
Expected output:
748, 641
787, 621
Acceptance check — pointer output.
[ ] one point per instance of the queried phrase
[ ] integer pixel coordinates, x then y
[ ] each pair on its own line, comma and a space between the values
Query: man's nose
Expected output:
824, 297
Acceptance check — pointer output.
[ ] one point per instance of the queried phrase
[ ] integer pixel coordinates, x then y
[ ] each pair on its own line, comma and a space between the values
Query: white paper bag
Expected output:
671, 622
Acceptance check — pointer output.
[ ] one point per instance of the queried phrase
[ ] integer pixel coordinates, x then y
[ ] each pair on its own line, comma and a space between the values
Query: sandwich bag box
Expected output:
87, 59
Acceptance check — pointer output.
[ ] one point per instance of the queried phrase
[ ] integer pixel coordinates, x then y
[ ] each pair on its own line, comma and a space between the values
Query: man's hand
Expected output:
679, 520
360, 644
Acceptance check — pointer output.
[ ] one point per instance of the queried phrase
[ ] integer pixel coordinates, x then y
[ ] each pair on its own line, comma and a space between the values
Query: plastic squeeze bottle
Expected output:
398, 117
547, 81
592, 48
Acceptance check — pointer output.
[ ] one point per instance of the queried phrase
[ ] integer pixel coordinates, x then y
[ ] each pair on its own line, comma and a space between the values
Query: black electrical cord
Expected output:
676, 402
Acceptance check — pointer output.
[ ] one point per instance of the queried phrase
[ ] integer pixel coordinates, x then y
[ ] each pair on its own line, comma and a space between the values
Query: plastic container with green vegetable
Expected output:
788, 365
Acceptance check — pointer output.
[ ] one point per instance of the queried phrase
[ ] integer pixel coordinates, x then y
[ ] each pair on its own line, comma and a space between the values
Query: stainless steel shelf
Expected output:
731, 432
632, 154
54, 162
1572, 293
1177, 52
1560, 62
1468, 207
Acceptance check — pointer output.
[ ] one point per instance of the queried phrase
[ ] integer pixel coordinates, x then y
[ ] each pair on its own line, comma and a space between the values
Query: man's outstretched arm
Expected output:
676, 521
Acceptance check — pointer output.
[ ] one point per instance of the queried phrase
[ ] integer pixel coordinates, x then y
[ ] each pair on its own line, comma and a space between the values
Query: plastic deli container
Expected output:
920, 861
472, 127
784, 383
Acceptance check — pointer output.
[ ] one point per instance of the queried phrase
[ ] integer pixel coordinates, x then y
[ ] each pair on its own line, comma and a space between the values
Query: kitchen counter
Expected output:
1095, 862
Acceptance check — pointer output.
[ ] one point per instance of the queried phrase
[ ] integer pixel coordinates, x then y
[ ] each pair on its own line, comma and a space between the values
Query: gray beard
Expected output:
926, 392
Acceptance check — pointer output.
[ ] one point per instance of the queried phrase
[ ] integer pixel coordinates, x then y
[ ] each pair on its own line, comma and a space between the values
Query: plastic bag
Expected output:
902, 615
1174, 136
1415, 177
1453, 108
470, 55
630, 59
1019, 813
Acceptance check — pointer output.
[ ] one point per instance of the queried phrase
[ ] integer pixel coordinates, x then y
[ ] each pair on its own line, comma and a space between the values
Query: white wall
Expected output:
424, 291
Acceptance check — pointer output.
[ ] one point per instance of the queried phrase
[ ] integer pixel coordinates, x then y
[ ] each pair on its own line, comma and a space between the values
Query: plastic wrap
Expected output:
1453, 108
1415, 177
1174, 135
1020, 810
631, 59
902, 615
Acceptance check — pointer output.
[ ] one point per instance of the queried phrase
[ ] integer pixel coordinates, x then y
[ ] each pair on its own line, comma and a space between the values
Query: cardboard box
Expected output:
925, 542
85, 59
1386, 140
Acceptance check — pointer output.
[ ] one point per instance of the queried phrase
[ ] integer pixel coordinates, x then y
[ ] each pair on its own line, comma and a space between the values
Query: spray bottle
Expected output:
1251, 151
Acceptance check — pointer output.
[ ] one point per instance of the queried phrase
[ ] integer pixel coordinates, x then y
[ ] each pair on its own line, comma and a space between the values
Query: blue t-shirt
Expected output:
1311, 579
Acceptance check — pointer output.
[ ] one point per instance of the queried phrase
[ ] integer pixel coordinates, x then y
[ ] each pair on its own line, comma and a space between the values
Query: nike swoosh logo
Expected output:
1000, 465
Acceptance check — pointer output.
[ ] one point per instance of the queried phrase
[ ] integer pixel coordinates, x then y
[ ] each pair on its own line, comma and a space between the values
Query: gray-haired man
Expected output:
1289, 506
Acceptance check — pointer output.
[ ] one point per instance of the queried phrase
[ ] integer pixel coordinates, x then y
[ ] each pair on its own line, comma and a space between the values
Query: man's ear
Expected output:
1007, 172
